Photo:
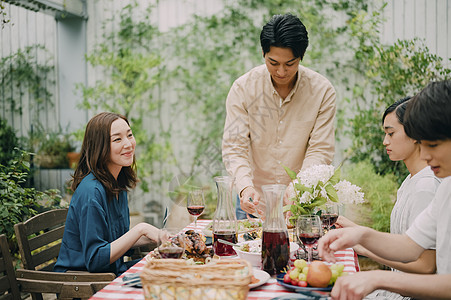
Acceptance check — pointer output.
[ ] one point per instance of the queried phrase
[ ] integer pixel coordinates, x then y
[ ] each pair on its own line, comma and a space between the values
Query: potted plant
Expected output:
53, 149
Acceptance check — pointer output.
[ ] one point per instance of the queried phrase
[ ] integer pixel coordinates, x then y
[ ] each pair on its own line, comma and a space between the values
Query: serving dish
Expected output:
299, 288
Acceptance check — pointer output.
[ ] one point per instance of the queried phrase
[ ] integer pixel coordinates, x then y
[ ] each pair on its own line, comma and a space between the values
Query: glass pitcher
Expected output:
275, 241
224, 220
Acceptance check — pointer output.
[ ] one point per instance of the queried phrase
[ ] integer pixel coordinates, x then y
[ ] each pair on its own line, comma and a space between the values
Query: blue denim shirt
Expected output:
92, 223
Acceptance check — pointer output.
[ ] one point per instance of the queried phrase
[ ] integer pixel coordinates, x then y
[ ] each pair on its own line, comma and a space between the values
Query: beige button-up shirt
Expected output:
262, 131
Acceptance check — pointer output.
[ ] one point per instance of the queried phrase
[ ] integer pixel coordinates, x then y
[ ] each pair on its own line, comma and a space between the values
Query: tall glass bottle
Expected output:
224, 220
275, 242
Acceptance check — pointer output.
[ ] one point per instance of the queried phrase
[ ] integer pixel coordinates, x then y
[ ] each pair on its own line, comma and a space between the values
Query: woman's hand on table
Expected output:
356, 286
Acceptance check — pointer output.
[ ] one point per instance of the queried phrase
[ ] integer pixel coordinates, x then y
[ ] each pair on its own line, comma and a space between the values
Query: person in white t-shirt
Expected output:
428, 121
415, 193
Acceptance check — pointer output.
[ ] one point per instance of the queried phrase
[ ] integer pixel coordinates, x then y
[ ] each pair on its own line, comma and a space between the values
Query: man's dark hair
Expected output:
428, 115
285, 31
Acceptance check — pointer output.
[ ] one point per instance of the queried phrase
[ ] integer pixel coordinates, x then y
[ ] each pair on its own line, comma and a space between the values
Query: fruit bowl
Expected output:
298, 288
255, 255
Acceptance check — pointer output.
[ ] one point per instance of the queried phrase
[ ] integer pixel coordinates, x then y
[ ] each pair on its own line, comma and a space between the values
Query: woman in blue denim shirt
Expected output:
97, 236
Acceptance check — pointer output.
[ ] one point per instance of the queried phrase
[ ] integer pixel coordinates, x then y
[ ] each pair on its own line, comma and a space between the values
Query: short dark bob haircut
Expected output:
428, 115
285, 31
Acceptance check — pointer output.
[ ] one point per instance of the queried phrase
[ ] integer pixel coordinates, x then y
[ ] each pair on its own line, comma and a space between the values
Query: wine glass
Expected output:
329, 215
196, 204
170, 245
309, 231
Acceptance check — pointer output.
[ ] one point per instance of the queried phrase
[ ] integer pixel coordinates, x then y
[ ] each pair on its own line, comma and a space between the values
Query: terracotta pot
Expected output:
73, 158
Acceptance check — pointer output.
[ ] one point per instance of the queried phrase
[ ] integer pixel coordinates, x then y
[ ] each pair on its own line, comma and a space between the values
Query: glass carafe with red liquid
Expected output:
275, 242
224, 220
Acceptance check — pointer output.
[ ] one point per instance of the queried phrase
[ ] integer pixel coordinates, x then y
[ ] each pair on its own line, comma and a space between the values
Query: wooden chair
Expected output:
39, 240
9, 289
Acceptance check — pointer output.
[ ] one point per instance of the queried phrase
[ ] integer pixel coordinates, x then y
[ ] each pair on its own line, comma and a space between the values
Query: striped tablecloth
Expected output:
271, 289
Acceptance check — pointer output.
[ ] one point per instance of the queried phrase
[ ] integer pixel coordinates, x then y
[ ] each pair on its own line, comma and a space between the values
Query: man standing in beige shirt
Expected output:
280, 113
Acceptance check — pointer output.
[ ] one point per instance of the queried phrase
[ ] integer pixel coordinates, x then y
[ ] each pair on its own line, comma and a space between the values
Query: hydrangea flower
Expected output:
317, 186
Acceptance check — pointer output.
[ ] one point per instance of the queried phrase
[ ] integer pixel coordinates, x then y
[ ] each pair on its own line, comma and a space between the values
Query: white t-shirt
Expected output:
414, 195
432, 228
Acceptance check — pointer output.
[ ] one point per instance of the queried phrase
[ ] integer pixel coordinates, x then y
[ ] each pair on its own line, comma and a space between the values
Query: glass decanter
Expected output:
224, 220
275, 241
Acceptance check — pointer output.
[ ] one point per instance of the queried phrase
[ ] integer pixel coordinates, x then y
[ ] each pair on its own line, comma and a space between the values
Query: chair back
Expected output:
9, 289
39, 239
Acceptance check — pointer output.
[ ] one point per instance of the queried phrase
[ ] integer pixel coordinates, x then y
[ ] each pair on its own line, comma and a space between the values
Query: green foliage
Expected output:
131, 73
8, 141
20, 74
52, 147
389, 73
17, 201
380, 194
3, 17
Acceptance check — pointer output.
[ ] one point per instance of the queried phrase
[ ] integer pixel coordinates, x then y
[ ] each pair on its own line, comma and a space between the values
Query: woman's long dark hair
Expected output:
95, 155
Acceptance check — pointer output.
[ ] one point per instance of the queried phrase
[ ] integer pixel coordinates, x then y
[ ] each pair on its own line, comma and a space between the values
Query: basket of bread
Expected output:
180, 279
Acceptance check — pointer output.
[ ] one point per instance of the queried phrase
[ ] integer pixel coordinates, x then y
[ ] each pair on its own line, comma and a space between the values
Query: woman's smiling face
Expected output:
122, 150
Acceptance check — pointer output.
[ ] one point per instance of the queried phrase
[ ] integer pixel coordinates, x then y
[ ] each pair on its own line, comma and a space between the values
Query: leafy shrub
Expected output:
8, 141
380, 194
18, 202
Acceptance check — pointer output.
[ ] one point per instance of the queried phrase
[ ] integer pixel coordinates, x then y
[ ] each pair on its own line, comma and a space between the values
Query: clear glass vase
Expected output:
224, 220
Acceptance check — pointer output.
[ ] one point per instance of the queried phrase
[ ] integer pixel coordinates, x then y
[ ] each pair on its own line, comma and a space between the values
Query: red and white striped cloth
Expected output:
117, 290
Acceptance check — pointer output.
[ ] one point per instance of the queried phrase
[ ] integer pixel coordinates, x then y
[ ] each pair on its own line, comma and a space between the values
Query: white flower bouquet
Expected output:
316, 187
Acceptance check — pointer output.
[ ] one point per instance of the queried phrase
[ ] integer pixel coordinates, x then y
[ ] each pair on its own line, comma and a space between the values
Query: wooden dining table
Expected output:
271, 289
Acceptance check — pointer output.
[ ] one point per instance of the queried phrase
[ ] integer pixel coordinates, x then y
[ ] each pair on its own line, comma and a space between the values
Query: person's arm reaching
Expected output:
388, 246
425, 264
419, 286
130, 239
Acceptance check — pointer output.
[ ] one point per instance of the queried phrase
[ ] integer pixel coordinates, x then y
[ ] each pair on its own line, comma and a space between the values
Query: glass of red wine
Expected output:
196, 204
170, 245
309, 230
329, 215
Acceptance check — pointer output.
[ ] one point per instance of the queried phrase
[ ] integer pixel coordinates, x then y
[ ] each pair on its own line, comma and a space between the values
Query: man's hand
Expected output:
356, 286
250, 201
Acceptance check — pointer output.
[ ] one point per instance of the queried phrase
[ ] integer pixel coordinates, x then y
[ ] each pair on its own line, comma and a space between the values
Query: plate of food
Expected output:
259, 278
244, 226
195, 247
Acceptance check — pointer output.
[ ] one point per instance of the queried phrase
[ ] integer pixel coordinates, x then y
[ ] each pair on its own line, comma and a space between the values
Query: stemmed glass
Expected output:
329, 215
309, 231
196, 204
170, 244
